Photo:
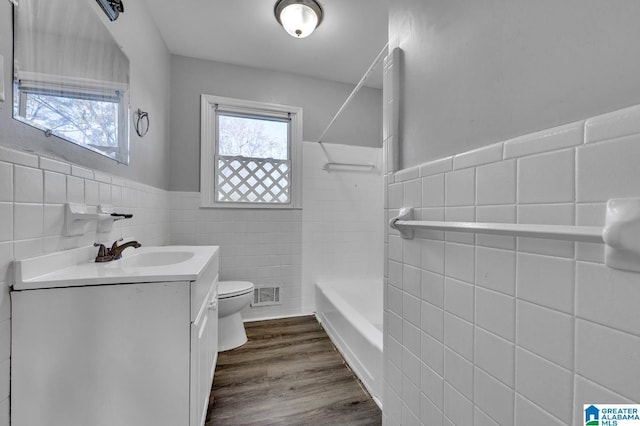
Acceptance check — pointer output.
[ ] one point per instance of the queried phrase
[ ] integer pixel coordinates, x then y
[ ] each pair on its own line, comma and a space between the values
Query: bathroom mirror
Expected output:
71, 79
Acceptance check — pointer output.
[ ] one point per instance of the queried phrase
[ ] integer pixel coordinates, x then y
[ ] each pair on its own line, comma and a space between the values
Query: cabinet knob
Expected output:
213, 305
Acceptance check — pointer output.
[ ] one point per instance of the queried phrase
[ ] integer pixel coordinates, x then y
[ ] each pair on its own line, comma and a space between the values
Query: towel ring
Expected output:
140, 115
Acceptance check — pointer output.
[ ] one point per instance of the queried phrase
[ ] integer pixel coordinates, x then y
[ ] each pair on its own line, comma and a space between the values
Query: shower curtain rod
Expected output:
355, 91
621, 233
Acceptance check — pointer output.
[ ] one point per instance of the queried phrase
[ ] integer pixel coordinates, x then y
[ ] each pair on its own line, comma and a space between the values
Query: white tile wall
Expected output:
459, 261
546, 280
545, 384
593, 342
547, 140
496, 269
547, 178
528, 413
613, 125
586, 391
484, 155
55, 188
413, 193
460, 188
459, 373
495, 355
458, 335
545, 332
411, 281
6, 224
33, 191
28, 187
482, 419
604, 169
442, 165
433, 191
55, 165
411, 307
607, 307
337, 236
493, 397
457, 409
433, 322
520, 331
6, 182
495, 312
261, 246
496, 183
432, 382
433, 288
342, 219
411, 335
458, 298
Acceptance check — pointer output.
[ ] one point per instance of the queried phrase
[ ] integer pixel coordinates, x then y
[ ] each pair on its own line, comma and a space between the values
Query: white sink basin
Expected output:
146, 264
152, 259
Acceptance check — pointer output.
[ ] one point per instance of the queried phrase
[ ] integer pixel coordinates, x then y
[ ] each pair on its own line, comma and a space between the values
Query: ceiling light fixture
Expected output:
298, 17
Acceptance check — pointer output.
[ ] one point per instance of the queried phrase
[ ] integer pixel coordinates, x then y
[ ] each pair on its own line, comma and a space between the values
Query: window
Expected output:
92, 117
70, 77
250, 154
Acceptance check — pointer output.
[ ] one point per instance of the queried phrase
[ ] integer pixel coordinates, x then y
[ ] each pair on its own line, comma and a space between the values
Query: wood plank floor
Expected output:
288, 373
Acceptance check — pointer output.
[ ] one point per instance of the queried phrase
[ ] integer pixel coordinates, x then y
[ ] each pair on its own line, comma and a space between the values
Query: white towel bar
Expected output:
621, 233
588, 234
348, 167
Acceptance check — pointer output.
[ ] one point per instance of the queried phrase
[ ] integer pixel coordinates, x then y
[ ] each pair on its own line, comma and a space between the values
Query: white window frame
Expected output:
208, 129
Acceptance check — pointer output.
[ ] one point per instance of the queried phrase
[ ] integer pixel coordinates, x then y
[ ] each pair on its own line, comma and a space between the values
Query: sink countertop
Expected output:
72, 268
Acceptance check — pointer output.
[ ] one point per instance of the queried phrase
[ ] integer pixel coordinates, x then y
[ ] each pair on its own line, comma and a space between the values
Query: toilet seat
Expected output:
227, 289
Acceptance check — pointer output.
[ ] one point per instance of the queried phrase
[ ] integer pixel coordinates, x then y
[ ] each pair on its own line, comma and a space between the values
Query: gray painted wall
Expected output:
149, 76
475, 73
360, 124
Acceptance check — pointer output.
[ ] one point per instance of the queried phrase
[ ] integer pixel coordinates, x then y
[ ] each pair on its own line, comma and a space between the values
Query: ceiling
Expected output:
245, 32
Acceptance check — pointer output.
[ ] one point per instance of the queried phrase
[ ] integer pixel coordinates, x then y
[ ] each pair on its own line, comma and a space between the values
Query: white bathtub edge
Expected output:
358, 329
352, 360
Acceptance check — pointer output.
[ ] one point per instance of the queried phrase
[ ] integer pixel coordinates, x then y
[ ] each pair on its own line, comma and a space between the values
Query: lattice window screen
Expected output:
254, 180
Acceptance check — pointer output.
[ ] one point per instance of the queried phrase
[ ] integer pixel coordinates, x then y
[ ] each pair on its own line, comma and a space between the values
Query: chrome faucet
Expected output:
115, 252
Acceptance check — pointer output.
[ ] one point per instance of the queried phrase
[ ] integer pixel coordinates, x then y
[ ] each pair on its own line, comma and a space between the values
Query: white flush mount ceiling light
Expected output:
298, 17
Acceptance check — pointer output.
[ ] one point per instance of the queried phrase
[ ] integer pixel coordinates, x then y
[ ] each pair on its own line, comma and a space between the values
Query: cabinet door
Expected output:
199, 371
101, 355
213, 337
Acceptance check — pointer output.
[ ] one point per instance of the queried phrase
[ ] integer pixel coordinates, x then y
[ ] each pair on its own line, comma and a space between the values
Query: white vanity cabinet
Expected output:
140, 353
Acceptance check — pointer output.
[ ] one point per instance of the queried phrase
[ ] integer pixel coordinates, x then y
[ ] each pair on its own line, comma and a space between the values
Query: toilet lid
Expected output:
233, 288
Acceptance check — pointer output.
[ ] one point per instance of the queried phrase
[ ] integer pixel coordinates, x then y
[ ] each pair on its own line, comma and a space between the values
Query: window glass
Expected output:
255, 137
92, 123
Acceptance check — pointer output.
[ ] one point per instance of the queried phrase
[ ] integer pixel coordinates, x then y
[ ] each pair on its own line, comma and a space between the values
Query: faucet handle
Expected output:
115, 244
119, 216
102, 251
122, 215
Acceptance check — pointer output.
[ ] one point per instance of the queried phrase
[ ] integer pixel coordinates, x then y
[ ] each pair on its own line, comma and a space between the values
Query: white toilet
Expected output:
233, 297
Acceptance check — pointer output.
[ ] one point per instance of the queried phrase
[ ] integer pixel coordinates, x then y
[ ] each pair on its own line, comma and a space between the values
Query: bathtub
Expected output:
354, 327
